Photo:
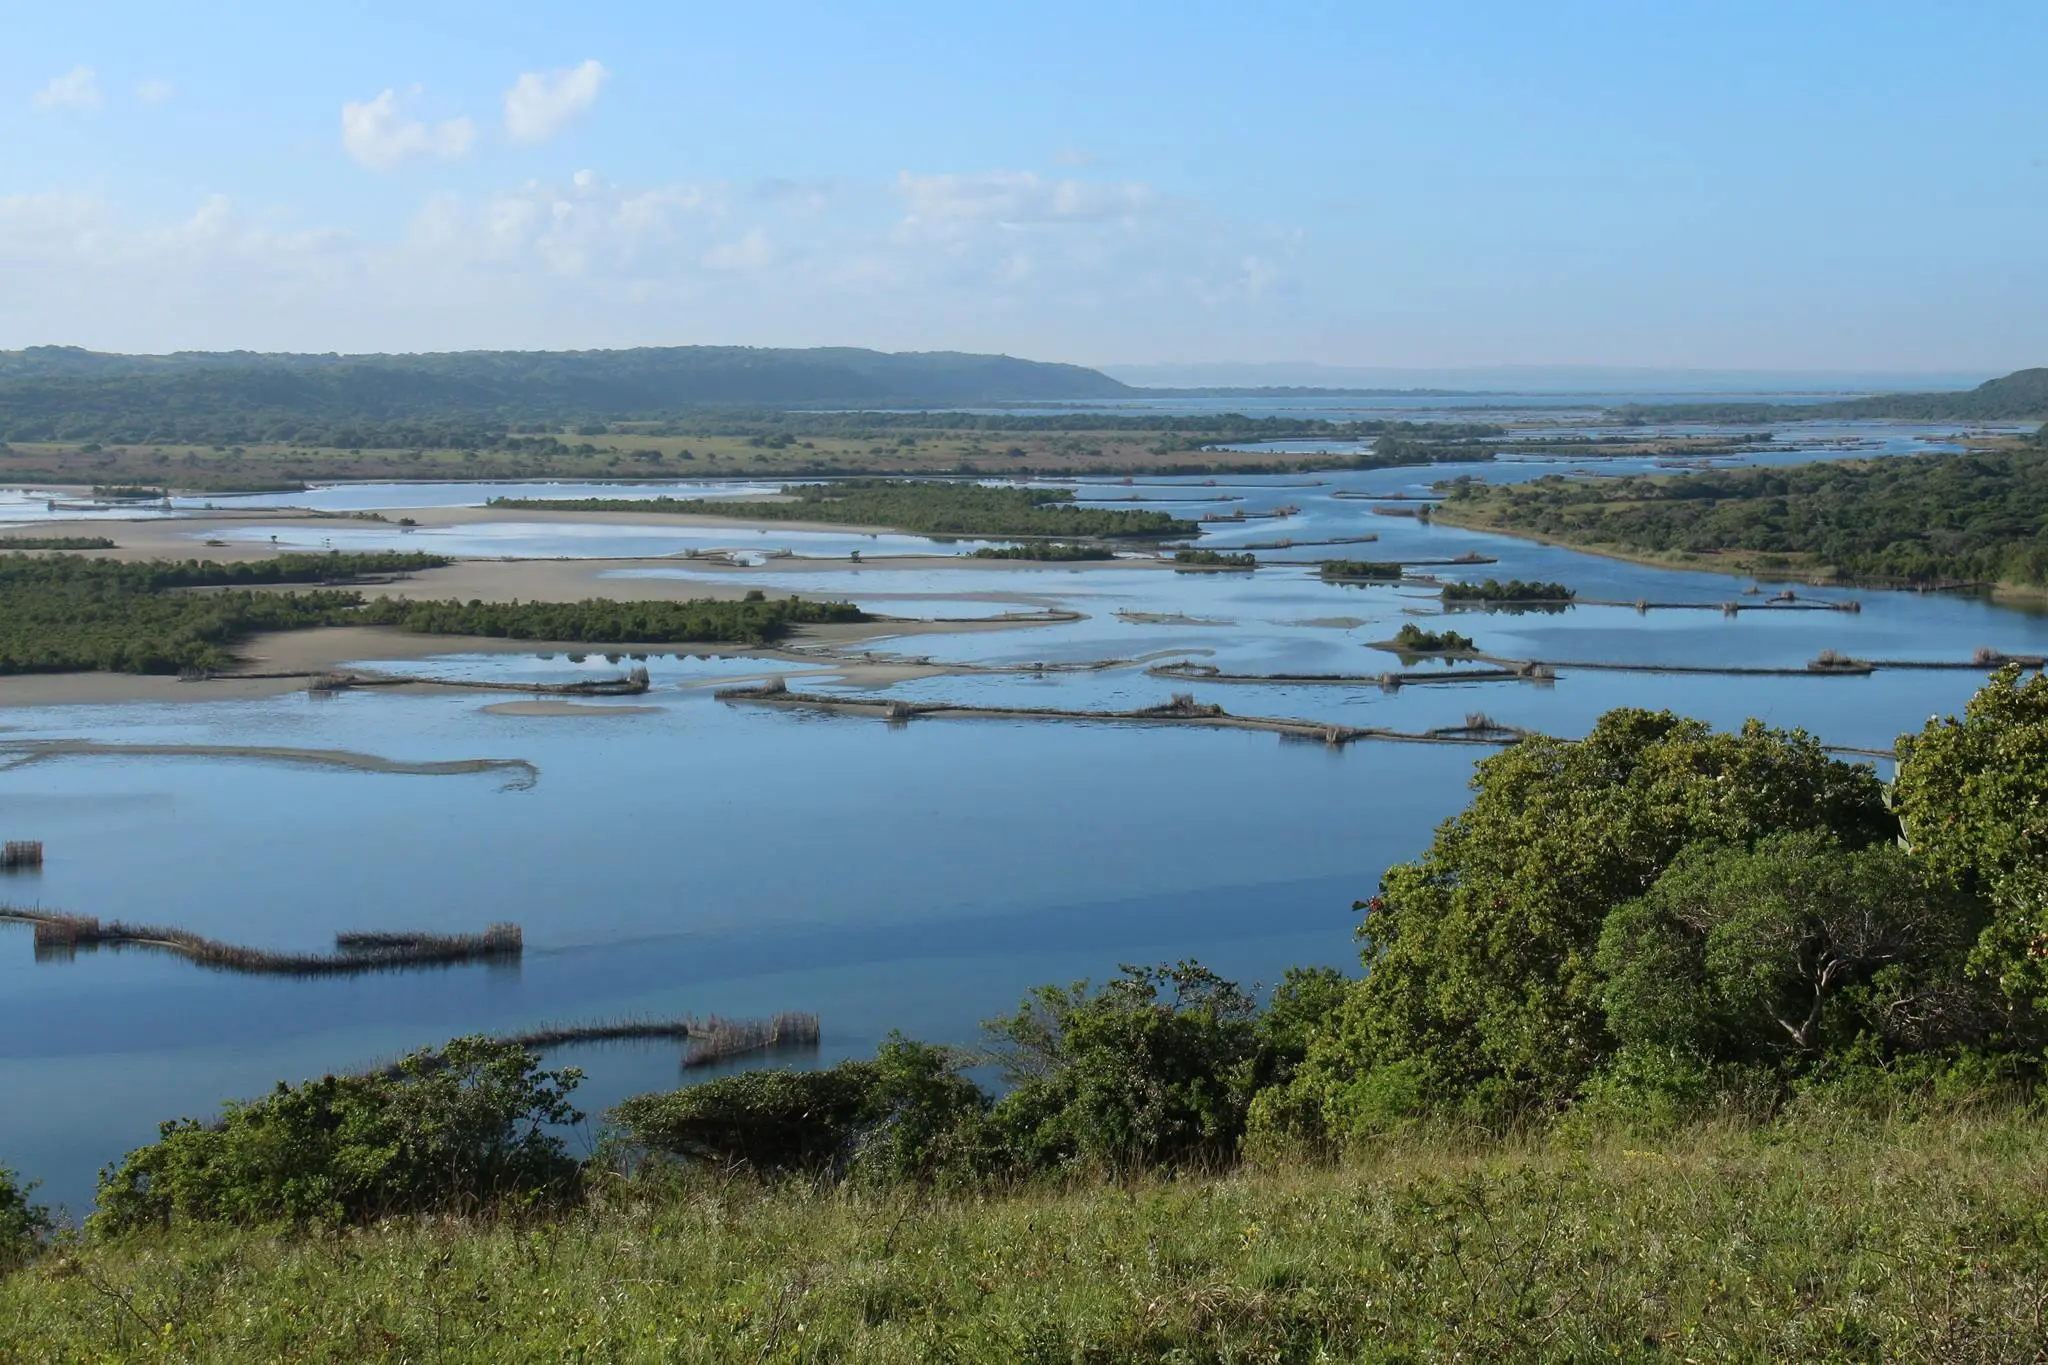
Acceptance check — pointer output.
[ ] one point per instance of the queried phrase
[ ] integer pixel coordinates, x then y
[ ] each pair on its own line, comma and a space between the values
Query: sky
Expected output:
1795, 185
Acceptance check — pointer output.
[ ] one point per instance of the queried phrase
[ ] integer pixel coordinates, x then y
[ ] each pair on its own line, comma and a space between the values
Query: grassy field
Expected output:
1828, 1238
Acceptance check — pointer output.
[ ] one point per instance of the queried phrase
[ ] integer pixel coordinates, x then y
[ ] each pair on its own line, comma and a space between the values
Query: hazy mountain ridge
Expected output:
508, 383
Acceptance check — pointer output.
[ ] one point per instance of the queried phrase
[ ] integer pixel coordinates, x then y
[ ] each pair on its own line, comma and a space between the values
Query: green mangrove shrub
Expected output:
467, 1127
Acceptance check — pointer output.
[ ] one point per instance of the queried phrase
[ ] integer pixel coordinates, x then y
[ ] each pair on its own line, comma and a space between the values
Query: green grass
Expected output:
1823, 1240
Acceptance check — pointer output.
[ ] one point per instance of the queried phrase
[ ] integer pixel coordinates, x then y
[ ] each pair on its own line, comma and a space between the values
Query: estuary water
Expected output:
680, 854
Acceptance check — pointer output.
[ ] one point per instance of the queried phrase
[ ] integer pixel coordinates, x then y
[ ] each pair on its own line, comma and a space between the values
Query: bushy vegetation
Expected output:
23, 1223
1377, 570
604, 621
68, 614
925, 507
1925, 519
64, 614
12, 543
1514, 590
1215, 559
464, 1128
1054, 551
1413, 639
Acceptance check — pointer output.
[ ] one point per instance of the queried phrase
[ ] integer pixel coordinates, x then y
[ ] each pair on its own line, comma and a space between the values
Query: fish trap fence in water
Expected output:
21, 853
724, 1039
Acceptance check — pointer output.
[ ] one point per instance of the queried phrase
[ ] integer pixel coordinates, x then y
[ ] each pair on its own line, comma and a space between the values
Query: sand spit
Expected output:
565, 708
21, 753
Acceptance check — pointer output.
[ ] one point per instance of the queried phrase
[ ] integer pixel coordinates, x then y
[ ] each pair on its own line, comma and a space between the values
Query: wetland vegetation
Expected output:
922, 507
64, 613
1930, 520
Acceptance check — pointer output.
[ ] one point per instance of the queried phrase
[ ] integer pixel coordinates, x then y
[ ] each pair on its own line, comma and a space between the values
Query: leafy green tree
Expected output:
1790, 951
1155, 1068
22, 1224
1482, 994
1972, 797
907, 1114
465, 1127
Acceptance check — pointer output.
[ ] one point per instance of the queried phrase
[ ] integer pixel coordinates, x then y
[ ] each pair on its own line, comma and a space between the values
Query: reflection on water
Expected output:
703, 857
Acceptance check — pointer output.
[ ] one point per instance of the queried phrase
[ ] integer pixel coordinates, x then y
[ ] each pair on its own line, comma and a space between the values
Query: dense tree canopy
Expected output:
1915, 518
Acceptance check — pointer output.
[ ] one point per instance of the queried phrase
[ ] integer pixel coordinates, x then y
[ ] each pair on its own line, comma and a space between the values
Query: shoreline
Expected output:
1809, 576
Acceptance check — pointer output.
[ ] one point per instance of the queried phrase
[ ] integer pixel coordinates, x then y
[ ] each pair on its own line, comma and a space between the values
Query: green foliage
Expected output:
755, 620
459, 1129
1051, 550
1413, 639
922, 506
1358, 568
1914, 519
908, 1114
1482, 991
1514, 590
1215, 559
1789, 951
22, 1224
64, 614
1155, 1068
9, 544
1972, 796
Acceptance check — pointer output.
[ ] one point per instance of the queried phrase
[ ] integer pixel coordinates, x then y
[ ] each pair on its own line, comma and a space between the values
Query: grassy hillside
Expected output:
1829, 1238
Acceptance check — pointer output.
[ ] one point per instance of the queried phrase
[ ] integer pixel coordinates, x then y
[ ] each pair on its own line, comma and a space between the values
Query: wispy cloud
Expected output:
945, 202
541, 102
155, 90
378, 136
78, 88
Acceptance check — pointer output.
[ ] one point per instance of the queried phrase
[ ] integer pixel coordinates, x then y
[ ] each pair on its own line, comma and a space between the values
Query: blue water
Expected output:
705, 857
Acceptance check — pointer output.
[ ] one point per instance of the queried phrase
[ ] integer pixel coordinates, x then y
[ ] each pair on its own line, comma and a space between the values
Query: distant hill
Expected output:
2019, 396
62, 392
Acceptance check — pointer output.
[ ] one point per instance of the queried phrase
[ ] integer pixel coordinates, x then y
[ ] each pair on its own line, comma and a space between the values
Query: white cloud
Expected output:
947, 203
541, 102
378, 136
752, 251
155, 90
77, 88
1023, 265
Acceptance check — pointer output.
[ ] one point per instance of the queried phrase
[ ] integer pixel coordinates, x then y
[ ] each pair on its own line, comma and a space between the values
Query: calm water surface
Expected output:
706, 857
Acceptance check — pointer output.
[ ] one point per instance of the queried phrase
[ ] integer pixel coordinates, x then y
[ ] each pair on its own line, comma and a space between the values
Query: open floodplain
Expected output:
675, 852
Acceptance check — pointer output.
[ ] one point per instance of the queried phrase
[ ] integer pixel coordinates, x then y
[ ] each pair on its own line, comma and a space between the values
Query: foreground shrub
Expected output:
462, 1128
22, 1224
907, 1114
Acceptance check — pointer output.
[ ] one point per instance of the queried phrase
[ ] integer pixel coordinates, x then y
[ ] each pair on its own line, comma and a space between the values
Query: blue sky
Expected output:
1756, 185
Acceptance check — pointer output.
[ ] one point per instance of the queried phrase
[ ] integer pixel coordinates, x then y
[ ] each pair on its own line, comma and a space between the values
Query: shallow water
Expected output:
715, 857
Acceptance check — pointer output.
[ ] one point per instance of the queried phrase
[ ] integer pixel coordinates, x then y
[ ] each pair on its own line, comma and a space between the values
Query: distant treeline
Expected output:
919, 506
2019, 396
65, 614
1054, 551
602, 621
1914, 518
529, 401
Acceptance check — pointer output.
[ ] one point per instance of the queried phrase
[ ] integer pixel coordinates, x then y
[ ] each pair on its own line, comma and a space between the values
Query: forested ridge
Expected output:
1922, 519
